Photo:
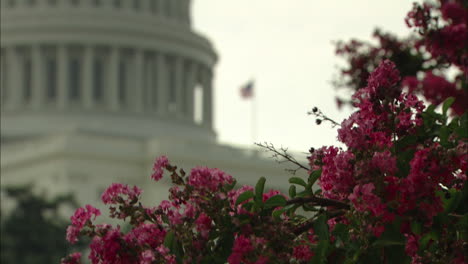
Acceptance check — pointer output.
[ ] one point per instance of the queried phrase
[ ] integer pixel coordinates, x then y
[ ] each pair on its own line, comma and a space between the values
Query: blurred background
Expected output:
93, 90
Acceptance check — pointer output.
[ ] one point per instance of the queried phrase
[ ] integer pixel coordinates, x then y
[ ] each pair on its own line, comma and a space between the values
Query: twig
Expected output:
322, 117
319, 201
310, 223
282, 156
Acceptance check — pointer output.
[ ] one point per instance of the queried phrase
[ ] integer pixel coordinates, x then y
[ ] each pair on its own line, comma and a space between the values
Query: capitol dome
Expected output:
126, 67
94, 90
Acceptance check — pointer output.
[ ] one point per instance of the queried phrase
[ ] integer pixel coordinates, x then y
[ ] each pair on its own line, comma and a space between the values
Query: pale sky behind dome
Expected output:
287, 47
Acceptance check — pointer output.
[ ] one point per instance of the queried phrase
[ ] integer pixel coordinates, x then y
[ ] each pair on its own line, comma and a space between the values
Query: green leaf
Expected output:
168, 239
444, 135
231, 186
451, 203
170, 242
321, 227
259, 187
386, 243
314, 176
278, 213
462, 130
275, 201
321, 252
298, 181
341, 233
447, 103
424, 240
244, 197
292, 191
391, 236
416, 227
430, 109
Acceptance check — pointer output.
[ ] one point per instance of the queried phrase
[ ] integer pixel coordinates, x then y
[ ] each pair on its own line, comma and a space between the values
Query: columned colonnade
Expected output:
177, 10
106, 78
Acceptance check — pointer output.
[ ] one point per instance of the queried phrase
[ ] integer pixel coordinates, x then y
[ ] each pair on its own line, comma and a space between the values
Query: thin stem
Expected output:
319, 201
282, 156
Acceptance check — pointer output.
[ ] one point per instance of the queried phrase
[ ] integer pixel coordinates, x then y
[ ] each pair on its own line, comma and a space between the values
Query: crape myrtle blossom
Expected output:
395, 192
390, 171
158, 168
79, 220
439, 42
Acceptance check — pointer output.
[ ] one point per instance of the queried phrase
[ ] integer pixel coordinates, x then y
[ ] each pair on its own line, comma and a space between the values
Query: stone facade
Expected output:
93, 90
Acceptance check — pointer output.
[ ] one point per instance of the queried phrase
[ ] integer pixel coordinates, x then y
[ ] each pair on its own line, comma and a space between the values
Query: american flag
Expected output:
246, 90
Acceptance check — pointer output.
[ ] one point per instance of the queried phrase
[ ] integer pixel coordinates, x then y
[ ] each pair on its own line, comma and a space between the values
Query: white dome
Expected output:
131, 67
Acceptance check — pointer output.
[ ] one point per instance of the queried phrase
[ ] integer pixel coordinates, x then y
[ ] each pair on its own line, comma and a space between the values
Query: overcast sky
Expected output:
286, 46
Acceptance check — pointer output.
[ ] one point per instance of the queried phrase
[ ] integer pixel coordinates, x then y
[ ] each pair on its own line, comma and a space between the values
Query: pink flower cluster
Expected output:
158, 168
80, 219
242, 246
113, 194
205, 179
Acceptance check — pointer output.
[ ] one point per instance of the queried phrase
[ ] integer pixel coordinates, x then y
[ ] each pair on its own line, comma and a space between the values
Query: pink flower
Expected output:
168, 258
158, 167
79, 219
262, 260
382, 82
209, 180
203, 224
147, 257
242, 246
108, 248
302, 252
454, 11
364, 199
73, 258
112, 195
412, 245
151, 235
337, 179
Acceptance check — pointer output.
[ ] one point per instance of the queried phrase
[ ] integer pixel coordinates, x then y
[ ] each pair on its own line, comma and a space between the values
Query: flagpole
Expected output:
253, 125
254, 115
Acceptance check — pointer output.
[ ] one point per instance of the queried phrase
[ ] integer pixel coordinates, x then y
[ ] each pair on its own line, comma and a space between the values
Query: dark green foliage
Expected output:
34, 232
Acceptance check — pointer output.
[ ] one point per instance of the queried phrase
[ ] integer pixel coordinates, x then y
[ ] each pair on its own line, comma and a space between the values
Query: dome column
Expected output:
137, 93
148, 85
207, 79
112, 82
14, 80
161, 84
62, 76
38, 89
190, 91
179, 98
87, 84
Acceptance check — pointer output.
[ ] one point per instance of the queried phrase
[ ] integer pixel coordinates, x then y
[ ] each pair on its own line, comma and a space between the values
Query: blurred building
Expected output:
93, 90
